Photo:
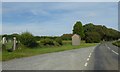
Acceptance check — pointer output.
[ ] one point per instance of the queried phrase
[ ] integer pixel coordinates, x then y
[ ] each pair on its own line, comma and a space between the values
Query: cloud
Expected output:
56, 18
39, 12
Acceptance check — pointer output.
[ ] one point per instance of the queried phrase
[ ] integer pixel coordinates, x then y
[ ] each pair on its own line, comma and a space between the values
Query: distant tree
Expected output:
14, 35
93, 37
78, 29
99, 30
66, 36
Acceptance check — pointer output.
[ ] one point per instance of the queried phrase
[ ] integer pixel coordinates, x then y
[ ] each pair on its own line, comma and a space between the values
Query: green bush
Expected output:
56, 43
117, 43
47, 41
28, 40
66, 36
59, 41
51, 42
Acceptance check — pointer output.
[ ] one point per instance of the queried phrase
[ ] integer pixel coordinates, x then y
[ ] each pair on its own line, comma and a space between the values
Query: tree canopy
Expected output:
99, 32
78, 29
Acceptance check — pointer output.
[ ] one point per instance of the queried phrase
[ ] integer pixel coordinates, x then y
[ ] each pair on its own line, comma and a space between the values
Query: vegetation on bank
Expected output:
26, 52
117, 43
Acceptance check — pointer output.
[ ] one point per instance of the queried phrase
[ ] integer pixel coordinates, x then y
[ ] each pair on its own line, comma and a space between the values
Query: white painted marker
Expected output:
109, 48
115, 52
86, 64
88, 59
90, 55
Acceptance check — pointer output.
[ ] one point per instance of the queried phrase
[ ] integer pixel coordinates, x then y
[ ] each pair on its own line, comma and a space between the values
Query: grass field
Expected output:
25, 52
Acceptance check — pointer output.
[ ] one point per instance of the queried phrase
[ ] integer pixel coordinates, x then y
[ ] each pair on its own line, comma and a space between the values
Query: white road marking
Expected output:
112, 50
88, 59
109, 48
90, 55
115, 52
86, 64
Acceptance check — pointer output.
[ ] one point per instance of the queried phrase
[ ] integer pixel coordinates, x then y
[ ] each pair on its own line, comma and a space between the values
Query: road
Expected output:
65, 60
104, 57
101, 57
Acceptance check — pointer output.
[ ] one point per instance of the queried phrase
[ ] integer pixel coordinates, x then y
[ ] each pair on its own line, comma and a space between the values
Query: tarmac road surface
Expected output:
104, 57
101, 57
65, 60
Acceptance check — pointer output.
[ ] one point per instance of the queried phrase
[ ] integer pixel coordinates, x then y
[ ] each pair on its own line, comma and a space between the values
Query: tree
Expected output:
66, 36
78, 29
28, 40
100, 31
93, 37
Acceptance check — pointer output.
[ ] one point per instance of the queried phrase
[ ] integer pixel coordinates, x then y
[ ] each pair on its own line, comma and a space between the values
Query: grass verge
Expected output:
117, 43
26, 52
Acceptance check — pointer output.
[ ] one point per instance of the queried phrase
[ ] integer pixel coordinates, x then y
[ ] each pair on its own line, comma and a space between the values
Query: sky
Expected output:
56, 18
60, 0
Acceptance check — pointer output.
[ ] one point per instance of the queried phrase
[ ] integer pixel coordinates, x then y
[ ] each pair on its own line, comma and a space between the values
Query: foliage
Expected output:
10, 37
66, 36
28, 40
99, 32
59, 41
47, 41
78, 29
38, 38
92, 37
51, 42
117, 43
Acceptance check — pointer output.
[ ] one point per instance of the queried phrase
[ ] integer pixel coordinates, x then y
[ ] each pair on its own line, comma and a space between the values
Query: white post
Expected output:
14, 43
3, 40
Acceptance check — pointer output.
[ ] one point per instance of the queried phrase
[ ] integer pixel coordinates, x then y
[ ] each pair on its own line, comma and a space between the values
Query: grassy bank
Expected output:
117, 43
25, 52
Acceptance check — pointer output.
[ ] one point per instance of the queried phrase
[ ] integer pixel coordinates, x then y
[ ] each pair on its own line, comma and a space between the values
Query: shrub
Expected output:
28, 40
56, 43
117, 43
47, 41
51, 42
59, 41
66, 36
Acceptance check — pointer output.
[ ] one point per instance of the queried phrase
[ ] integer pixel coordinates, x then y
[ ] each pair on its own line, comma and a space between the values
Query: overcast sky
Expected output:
56, 18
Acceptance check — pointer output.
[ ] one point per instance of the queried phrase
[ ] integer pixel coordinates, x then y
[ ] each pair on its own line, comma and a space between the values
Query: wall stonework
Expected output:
76, 39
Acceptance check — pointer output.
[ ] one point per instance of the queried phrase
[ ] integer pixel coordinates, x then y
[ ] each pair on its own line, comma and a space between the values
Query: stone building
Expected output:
76, 39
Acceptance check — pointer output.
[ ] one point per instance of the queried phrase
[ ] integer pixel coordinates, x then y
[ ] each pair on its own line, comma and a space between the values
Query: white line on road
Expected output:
115, 52
112, 50
109, 48
88, 59
86, 64
90, 55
